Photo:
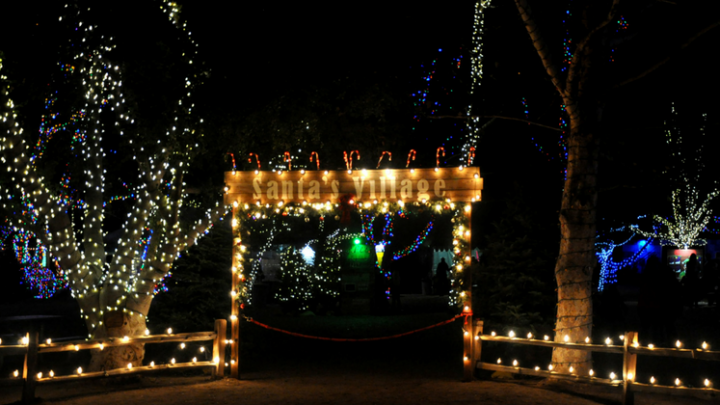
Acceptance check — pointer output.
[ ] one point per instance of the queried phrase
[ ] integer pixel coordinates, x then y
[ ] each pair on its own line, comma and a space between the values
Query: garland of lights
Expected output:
476, 74
609, 267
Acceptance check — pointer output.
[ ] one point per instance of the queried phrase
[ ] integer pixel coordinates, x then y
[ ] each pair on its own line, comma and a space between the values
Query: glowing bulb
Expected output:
125, 338
515, 363
216, 360
550, 367
202, 349
677, 381
571, 369
704, 345
612, 376
529, 335
651, 346
102, 346
169, 331
591, 372
608, 341
16, 373
52, 374
194, 360
630, 376
652, 380
129, 366
182, 345
706, 382
147, 332
678, 344
566, 338
39, 375
48, 341
77, 348
152, 364
537, 368
546, 337
492, 333
511, 334
172, 361
79, 370
587, 339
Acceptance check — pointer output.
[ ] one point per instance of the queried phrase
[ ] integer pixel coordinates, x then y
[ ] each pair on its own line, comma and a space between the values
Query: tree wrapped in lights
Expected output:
688, 220
114, 286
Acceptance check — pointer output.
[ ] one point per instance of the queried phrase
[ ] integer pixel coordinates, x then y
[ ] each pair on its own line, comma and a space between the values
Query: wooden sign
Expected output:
457, 184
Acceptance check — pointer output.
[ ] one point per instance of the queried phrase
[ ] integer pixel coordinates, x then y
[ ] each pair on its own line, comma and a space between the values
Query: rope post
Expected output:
237, 275
629, 367
30, 367
219, 348
468, 336
477, 349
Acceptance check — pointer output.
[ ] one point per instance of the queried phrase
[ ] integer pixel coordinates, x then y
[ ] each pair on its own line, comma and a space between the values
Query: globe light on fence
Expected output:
52, 374
707, 383
652, 380
194, 360
511, 334
79, 370
147, 332
182, 345
216, 360
125, 338
677, 382
172, 361
77, 348
129, 366
622, 337
705, 345
16, 373
515, 363
152, 364
566, 338
529, 335
550, 367
202, 349
492, 333
572, 369
39, 375
678, 344
612, 376
608, 341
169, 331
48, 341
546, 337
651, 346
499, 361
630, 376
591, 372
587, 339
537, 368
102, 346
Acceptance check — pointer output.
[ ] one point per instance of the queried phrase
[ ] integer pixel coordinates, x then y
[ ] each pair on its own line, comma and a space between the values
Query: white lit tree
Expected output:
114, 286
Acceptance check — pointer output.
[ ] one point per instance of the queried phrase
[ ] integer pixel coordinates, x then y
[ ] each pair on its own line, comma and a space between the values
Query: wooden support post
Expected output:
237, 277
30, 368
629, 368
219, 348
468, 337
477, 349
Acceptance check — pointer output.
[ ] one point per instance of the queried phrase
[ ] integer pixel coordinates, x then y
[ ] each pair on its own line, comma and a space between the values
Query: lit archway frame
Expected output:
304, 192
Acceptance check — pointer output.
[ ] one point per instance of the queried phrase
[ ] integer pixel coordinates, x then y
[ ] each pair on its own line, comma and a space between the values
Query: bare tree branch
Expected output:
500, 117
664, 61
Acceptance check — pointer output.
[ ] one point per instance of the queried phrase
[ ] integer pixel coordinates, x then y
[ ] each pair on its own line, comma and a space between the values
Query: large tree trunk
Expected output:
119, 324
575, 264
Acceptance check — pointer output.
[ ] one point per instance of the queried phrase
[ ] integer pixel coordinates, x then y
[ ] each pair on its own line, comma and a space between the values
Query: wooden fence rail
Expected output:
31, 347
630, 350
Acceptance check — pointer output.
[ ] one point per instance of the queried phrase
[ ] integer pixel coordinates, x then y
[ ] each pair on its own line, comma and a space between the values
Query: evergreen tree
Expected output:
295, 289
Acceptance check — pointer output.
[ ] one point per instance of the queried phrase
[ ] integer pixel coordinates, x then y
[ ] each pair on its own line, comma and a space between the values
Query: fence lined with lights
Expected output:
629, 349
30, 347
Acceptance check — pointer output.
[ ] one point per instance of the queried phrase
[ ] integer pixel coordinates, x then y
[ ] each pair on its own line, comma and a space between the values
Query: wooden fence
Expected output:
31, 347
629, 350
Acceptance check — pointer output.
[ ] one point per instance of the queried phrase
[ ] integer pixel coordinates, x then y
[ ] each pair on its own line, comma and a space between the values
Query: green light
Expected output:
357, 241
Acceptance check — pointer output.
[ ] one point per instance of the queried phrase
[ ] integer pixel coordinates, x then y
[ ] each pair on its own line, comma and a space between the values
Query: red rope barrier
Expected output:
350, 339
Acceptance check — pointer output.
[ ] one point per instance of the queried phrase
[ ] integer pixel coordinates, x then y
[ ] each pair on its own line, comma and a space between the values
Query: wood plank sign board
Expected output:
455, 183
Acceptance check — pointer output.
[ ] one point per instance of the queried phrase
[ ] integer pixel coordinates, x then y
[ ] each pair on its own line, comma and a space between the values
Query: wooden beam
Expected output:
30, 367
115, 341
548, 343
219, 348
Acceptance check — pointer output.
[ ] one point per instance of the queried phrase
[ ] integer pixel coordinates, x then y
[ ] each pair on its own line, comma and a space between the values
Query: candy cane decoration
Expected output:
233, 160
257, 159
471, 155
349, 161
317, 159
383, 155
437, 156
411, 156
287, 158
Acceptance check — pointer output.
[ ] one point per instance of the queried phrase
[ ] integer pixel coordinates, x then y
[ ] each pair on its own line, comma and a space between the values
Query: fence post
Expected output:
30, 367
629, 367
477, 331
219, 348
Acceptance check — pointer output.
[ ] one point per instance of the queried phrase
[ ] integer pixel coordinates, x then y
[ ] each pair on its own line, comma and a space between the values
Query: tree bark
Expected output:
574, 267
118, 324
